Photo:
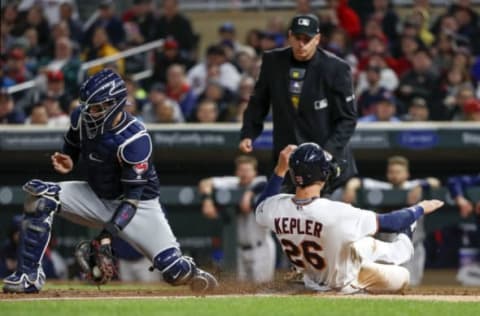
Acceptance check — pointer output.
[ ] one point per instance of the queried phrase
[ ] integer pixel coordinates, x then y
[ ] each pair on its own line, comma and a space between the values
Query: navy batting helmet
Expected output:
309, 163
102, 96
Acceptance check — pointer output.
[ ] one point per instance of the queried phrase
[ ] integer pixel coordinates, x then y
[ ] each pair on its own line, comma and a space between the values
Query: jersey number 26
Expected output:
307, 250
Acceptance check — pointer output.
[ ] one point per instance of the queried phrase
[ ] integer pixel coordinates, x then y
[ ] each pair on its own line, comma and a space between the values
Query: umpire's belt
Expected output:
250, 247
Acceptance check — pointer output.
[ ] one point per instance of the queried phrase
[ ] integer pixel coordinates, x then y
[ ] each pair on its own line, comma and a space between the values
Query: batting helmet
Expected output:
309, 163
102, 96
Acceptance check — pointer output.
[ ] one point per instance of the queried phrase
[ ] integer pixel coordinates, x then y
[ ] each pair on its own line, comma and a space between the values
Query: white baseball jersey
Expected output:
317, 236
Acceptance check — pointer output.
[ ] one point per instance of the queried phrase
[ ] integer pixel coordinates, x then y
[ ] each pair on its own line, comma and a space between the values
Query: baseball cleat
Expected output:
202, 282
22, 283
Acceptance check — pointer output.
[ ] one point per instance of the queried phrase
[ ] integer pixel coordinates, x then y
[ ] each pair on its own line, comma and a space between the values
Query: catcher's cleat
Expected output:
202, 282
23, 283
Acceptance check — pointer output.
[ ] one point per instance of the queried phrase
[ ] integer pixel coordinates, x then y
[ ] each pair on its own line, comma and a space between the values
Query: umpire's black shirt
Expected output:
326, 113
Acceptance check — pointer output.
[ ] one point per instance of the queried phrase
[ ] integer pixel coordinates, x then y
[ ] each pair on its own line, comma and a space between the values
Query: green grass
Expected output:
230, 306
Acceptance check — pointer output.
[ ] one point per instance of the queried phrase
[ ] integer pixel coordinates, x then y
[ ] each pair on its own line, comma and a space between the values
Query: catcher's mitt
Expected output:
96, 261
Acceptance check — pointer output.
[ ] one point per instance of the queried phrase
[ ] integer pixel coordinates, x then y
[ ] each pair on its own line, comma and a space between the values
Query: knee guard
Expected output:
175, 268
40, 206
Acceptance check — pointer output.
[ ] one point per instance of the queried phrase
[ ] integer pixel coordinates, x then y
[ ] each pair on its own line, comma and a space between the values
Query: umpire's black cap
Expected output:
305, 24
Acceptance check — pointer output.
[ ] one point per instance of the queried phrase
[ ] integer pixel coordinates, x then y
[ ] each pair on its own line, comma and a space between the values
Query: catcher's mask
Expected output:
102, 96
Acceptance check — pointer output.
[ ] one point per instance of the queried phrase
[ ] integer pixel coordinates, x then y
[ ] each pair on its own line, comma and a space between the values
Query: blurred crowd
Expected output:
418, 66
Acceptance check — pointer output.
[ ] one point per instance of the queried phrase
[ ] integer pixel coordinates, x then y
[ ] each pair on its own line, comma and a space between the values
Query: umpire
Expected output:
312, 98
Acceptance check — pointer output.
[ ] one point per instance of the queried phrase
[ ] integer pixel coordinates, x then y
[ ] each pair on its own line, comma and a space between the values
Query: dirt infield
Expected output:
233, 289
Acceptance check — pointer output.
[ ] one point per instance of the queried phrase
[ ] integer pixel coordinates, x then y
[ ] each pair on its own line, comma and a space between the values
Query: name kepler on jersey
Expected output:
295, 226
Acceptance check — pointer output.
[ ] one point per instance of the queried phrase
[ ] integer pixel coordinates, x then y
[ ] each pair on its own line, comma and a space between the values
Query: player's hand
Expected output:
62, 163
429, 206
246, 145
209, 210
282, 164
465, 206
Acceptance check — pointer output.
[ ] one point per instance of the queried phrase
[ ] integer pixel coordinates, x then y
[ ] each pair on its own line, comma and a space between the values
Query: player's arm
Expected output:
274, 184
136, 168
64, 162
205, 187
344, 113
257, 109
399, 220
456, 187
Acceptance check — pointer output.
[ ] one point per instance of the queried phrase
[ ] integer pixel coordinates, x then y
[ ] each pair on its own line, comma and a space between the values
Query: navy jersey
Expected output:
119, 162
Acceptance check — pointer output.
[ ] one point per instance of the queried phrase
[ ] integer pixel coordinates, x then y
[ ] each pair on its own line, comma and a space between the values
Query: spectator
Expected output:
384, 13
384, 111
169, 55
101, 47
135, 92
268, 41
276, 30
235, 111
398, 174
174, 24
420, 19
455, 111
8, 113
141, 14
388, 79
253, 39
228, 36
32, 47
5, 80
56, 116
67, 63
373, 94
38, 115
443, 51
471, 110
453, 82
206, 112
66, 11
339, 45
245, 61
219, 95
34, 18
6, 39
338, 13
421, 81
179, 90
417, 111
228, 75
16, 66
373, 28
303, 7
110, 22
161, 109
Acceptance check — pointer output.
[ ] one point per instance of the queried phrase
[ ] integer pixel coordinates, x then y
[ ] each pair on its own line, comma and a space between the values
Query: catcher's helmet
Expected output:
309, 163
102, 96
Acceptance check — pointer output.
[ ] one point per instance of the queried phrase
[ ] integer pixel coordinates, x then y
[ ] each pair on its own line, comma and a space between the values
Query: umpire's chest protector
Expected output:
320, 102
